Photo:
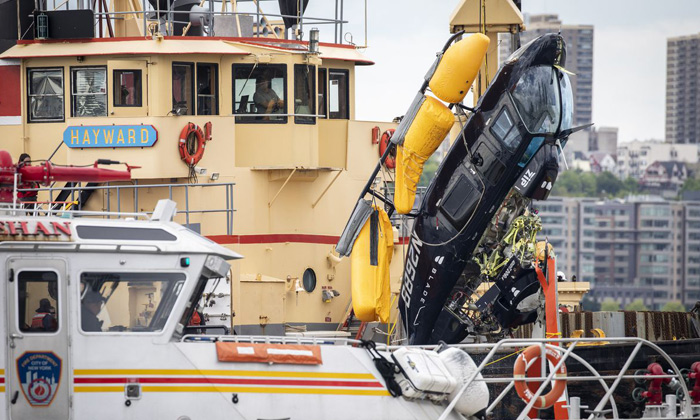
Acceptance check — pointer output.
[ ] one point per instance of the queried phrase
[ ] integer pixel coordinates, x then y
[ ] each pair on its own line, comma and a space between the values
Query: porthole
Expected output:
309, 280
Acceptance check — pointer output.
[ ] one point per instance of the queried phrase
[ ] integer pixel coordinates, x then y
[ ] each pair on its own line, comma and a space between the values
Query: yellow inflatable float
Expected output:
369, 268
451, 81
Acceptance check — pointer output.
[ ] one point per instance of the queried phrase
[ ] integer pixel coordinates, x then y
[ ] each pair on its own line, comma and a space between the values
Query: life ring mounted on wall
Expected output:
390, 161
192, 142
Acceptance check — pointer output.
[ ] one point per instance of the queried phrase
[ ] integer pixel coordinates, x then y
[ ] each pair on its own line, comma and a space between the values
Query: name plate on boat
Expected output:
95, 136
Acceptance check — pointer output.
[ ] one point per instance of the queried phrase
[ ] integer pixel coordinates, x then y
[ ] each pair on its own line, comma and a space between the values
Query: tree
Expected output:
607, 184
429, 169
588, 184
691, 184
673, 306
631, 185
610, 305
636, 305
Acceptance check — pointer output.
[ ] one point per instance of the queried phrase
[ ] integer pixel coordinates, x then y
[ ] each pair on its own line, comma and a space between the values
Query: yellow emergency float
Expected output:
369, 268
451, 81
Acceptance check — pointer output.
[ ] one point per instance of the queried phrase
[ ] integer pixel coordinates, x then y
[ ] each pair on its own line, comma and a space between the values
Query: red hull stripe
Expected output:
275, 238
282, 237
222, 381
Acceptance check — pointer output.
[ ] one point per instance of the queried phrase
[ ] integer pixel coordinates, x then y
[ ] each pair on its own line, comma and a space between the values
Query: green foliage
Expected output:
587, 184
691, 184
673, 306
429, 169
636, 305
610, 305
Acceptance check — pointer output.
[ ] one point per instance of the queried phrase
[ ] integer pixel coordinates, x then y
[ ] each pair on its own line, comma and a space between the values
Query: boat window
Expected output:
45, 95
37, 302
183, 86
127, 302
122, 233
207, 89
322, 83
127, 88
536, 96
304, 93
259, 91
309, 280
338, 94
89, 92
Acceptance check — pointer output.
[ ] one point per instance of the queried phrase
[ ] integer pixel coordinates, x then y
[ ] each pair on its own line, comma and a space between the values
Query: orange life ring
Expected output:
188, 156
526, 390
390, 161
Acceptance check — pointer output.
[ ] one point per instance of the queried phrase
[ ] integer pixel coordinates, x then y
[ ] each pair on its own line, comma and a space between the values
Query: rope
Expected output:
505, 357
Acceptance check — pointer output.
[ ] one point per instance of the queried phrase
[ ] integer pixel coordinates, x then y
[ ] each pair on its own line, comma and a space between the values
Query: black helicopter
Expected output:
510, 144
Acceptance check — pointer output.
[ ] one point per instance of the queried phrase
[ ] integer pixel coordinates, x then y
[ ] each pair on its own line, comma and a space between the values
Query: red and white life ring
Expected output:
190, 153
390, 161
526, 390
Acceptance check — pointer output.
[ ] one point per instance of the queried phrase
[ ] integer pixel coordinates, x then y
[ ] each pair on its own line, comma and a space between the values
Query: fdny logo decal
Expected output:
40, 375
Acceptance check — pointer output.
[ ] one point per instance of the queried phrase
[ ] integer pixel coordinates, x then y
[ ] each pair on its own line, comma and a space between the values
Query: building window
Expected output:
304, 93
89, 92
37, 301
207, 89
183, 86
338, 94
322, 99
45, 95
259, 91
127, 88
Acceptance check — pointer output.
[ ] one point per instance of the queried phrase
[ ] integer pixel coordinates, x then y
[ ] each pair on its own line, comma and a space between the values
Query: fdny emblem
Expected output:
40, 375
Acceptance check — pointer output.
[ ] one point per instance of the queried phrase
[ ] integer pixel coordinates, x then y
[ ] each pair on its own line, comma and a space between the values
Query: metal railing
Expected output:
164, 21
132, 191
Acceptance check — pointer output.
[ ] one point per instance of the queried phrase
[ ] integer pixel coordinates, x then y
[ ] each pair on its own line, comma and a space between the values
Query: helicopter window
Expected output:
504, 129
38, 301
45, 95
536, 96
260, 91
338, 94
487, 163
127, 88
127, 302
89, 92
304, 89
567, 101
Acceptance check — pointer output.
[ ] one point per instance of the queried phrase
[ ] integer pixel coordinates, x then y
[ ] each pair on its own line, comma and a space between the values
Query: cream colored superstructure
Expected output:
295, 184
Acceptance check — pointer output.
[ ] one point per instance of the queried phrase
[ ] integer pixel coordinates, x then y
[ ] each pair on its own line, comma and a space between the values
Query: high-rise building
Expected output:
683, 90
579, 57
641, 248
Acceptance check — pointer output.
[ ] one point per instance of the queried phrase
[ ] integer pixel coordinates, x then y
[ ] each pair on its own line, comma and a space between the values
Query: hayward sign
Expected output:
78, 137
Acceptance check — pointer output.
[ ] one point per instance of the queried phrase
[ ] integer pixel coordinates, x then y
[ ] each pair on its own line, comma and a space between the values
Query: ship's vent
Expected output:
127, 234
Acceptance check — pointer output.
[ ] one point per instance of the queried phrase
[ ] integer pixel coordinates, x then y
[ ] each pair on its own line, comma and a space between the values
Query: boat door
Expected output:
37, 369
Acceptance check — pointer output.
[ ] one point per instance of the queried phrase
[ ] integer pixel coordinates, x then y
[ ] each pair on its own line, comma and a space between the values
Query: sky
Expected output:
629, 69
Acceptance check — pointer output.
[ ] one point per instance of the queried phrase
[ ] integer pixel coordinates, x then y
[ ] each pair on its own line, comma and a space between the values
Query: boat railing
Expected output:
252, 22
71, 206
270, 339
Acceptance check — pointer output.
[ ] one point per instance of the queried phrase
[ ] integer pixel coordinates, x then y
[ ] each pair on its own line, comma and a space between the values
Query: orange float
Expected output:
526, 390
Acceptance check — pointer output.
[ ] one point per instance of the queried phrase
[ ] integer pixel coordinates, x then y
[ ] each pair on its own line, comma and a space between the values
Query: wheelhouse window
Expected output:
183, 86
207, 89
127, 302
37, 303
127, 88
322, 99
89, 92
259, 93
304, 89
338, 94
45, 95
